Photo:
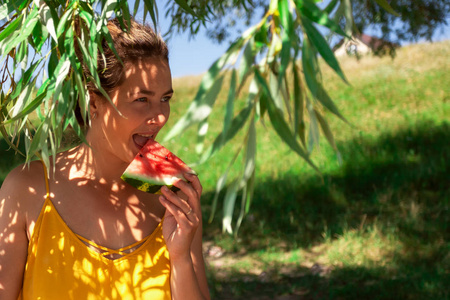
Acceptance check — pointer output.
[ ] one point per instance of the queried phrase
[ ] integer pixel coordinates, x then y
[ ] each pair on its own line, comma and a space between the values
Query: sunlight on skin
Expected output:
101, 225
86, 183
143, 74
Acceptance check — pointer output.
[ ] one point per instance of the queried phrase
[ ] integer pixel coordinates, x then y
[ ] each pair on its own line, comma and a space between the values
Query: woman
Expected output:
86, 234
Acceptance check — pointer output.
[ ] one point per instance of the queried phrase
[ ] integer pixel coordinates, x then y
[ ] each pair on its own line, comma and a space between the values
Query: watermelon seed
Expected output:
167, 157
141, 155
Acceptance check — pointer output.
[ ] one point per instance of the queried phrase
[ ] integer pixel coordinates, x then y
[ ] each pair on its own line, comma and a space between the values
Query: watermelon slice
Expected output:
153, 167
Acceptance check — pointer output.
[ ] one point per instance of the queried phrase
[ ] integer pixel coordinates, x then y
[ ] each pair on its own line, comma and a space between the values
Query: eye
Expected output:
143, 99
166, 98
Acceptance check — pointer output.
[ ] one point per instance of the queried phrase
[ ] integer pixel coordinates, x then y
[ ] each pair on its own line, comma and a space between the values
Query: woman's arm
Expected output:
13, 234
183, 234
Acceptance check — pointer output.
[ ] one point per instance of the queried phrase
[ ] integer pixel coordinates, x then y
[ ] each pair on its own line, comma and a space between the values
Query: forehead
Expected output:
147, 74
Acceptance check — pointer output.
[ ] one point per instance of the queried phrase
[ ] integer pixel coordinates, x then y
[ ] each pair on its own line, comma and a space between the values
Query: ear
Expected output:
94, 103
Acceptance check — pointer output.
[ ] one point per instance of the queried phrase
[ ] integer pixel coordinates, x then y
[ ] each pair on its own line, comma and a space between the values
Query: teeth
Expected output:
147, 135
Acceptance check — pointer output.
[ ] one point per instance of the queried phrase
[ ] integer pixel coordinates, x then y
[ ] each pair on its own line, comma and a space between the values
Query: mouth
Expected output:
141, 139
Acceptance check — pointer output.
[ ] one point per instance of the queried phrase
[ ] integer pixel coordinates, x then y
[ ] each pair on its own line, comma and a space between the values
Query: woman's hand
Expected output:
182, 217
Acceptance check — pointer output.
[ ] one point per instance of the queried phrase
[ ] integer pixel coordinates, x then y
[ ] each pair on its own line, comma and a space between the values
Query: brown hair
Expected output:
138, 41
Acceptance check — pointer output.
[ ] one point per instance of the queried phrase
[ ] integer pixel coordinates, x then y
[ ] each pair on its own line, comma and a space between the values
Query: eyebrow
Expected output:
150, 93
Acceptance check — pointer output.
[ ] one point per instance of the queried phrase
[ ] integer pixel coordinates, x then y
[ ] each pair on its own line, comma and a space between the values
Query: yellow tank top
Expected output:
61, 266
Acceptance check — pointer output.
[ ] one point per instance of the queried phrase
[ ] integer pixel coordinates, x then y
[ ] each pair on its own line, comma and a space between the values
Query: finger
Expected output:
176, 200
195, 183
187, 189
181, 217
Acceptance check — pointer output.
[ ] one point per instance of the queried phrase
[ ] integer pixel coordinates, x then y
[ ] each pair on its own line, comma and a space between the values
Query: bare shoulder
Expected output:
24, 187
20, 201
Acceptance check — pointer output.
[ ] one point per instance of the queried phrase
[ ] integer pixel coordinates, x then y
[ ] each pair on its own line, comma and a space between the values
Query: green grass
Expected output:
375, 227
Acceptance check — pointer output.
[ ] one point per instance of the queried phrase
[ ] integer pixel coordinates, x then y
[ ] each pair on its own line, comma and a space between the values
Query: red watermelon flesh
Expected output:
153, 167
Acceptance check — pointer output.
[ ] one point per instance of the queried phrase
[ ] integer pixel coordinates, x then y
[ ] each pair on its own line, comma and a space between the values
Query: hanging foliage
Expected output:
42, 82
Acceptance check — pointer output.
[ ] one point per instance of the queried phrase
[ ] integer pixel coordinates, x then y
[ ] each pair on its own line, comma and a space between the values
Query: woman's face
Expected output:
143, 100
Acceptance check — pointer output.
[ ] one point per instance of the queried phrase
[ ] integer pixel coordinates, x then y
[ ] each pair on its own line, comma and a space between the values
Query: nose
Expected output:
157, 115
158, 119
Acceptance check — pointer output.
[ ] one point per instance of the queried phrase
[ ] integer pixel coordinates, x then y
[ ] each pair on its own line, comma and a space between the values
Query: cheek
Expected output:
167, 112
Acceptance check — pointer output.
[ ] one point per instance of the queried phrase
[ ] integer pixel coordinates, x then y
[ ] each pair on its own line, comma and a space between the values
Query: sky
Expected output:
190, 56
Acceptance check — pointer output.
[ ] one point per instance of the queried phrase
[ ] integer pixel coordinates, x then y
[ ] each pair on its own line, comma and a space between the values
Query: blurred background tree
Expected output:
413, 20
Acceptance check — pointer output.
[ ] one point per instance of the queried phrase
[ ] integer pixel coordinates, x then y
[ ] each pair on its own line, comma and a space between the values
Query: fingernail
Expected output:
165, 188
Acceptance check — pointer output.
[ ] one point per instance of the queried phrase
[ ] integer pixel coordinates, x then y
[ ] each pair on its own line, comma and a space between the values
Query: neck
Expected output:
89, 163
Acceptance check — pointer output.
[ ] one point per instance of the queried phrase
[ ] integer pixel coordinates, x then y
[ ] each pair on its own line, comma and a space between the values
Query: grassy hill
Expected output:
374, 227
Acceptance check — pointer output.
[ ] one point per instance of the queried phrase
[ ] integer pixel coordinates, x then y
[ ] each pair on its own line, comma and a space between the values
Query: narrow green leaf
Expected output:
347, 12
60, 74
261, 107
250, 191
40, 35
229, 106
314, 134
237, 124
69, 43
250, 154
136, 6
11, 28
201, 134
326, 101
76, 127
279, 123
34, 145
311, 11
275, 92
47, 19
310, 70
385, 5
87, 58
242, 210
330, 7
183, 4
248, 173
64, 104
28, 26
310, 66
24, 80
228, 206
126, 12
285, 16
82, 95
87, 18
201, 114
322, 46
6, 137
150, 6
285, 57
35, 103
52, 61
221, 184
22, 99
298, 103
62, 22
109, 40
44, 145
246, 61
108, 9
326, 130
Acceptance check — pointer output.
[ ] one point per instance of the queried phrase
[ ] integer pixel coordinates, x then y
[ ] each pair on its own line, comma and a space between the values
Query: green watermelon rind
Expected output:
146, 185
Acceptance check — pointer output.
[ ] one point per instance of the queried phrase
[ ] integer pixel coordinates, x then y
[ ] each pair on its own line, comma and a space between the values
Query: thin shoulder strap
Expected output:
47, 187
